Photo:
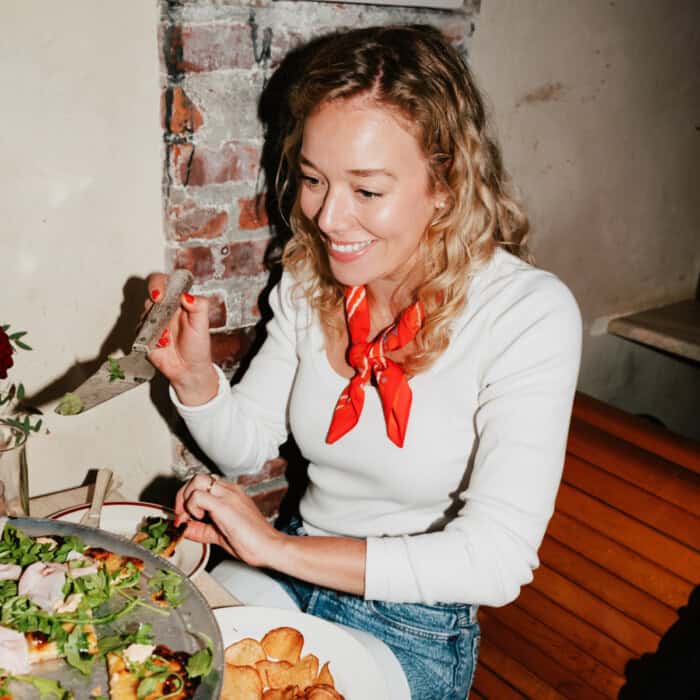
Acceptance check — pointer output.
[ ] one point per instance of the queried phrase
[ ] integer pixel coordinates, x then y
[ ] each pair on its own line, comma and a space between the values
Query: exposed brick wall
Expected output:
216, 57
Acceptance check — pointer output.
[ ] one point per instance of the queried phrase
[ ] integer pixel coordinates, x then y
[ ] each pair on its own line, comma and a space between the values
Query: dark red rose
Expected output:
6, 351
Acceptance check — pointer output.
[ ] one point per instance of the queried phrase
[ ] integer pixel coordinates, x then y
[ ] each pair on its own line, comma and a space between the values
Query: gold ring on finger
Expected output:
212, 482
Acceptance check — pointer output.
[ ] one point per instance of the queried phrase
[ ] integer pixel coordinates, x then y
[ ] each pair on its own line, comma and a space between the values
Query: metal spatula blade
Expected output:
135, 367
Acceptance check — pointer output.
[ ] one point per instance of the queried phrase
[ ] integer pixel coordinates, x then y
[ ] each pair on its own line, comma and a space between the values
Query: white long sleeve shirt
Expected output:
458, 513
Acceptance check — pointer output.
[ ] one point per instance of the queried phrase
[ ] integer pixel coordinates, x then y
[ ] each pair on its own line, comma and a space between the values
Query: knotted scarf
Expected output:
369, 358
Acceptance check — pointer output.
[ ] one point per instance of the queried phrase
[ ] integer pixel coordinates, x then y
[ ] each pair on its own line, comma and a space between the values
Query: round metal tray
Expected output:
177, 630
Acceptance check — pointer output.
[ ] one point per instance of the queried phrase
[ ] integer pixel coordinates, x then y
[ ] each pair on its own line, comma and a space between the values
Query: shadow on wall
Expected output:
673, 670
118, 340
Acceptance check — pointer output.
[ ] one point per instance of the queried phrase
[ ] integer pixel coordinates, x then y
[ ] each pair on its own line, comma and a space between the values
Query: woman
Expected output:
425, 369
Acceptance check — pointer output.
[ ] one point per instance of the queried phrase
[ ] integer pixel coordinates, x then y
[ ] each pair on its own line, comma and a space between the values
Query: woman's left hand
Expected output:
236, 524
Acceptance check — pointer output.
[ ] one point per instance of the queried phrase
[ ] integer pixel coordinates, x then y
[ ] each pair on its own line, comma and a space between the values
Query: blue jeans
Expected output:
436, 645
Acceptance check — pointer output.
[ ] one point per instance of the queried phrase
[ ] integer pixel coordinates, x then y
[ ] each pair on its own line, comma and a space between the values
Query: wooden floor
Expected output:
620, 559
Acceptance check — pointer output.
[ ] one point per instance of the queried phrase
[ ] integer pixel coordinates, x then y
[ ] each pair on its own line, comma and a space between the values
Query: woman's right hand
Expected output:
183, 353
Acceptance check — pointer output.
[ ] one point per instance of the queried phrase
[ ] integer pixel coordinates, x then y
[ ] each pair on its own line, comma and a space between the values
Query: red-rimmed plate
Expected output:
124, 518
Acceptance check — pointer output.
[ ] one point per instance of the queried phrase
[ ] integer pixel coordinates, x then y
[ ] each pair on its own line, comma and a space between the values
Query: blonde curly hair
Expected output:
416, 73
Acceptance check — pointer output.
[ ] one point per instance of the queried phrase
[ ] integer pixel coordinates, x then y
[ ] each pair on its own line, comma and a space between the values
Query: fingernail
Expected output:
155, 294
188, 298
164, 339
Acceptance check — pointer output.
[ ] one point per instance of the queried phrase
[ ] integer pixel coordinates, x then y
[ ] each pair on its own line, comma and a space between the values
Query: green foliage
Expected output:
14, 395
115, 371
69, 405
168, 584
157, 540
199, 664
45, 686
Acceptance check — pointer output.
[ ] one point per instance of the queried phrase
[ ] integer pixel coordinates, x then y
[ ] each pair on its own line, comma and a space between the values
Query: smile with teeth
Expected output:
348, 247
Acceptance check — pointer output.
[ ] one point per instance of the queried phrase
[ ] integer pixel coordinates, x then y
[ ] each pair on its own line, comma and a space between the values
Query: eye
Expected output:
368, 194
309, 180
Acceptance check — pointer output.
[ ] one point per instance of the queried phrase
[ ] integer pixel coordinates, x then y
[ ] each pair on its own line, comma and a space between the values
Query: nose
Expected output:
334, 214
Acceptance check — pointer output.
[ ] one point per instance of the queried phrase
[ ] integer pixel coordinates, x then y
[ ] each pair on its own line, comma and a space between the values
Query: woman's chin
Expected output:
350, 275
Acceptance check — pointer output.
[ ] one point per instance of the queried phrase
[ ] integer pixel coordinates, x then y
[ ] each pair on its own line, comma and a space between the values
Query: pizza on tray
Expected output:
160, 535
54, 594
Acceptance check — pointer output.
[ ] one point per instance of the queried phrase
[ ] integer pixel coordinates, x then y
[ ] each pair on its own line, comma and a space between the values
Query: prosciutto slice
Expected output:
90, 567
42, 583
14, 652
10, 572
87, 566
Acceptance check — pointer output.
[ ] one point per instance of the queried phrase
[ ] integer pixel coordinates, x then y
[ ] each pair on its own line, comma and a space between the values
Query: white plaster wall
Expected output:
80, 196
597, 106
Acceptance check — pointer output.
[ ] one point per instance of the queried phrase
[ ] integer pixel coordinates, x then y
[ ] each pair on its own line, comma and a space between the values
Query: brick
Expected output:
179, 158
238, 259
283, 41
250, 311
188, 221
179, 114
270, 470
252, 213
199, 260
210, 47
228, 349
229, 103
245, 258
217, 310
203, 165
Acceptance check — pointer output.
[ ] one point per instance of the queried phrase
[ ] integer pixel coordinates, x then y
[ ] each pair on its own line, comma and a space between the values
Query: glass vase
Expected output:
14, 482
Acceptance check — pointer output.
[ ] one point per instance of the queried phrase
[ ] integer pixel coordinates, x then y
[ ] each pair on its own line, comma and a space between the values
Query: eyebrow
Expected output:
358, 172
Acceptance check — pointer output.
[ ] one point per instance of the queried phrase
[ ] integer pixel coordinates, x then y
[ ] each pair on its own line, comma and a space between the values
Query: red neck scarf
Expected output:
369, 358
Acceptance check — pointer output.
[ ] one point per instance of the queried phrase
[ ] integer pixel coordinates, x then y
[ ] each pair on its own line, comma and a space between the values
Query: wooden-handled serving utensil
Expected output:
115, 376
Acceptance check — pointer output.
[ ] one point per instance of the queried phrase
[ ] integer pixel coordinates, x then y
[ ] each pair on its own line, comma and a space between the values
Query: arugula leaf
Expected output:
18, 548
129, 576
8, 589
70, 405
115, 371
199, 664
157, 539
143, 635
169, 584
149, 684
68, 544
46, 686
153, 674
76, 651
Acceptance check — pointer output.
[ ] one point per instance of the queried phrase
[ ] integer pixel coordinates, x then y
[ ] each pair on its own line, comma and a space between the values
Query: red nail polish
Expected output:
189, 298
164, 340
155, 294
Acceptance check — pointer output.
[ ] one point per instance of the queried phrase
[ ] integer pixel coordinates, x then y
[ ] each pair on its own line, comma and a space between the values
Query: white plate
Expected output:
354, 670
124, 517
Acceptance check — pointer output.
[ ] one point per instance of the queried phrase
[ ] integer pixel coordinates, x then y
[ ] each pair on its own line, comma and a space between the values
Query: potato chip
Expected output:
322, 692
291, 692
273, 669
262, 667
301, 674
241, 683
283, 644
325, 677
245, 652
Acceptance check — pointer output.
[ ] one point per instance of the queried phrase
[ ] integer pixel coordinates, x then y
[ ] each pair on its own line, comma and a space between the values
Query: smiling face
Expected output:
364, 182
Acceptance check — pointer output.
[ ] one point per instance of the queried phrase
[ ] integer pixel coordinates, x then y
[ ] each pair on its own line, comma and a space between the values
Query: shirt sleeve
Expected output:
488, 552
242, 427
